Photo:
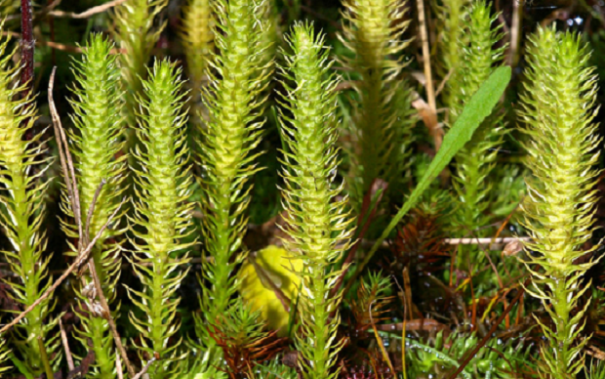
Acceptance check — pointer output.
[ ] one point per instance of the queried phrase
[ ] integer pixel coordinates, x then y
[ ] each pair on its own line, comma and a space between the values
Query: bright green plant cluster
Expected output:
100, 173
162, 216
287, 298
558, 112
22, 166
374, 32
233, 131
318, 225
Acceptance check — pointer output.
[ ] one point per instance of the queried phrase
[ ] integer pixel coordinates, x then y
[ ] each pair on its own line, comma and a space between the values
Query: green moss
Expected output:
97, 104
162, 218
21, 200
318, 226
197, 36
233, 132
558, 111
473, 188
374, 32
453, 18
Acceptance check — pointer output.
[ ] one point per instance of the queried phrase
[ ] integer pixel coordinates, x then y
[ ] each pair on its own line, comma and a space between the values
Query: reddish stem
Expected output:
27, 45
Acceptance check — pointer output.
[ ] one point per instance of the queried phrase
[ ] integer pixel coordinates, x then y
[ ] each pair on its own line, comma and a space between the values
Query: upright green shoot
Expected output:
22, 164
135, 31
374, 31
137, 36
162, 217
233, 131
317, 222
558, 112
453, 18
197, 36
475, 162
97, 104
269, 37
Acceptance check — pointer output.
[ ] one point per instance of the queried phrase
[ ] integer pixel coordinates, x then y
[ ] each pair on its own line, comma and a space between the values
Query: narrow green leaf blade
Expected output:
478, 108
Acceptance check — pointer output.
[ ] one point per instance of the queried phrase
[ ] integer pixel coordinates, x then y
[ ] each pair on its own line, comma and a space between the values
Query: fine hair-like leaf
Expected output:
478, 108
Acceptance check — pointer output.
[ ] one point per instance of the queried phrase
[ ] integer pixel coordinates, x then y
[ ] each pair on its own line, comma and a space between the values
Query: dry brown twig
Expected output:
59, 46
81, 258
119, 367
444, 82
144, 370
466, 241
91, 210
70, 359
344, 85
90, 12
515, 33
65, 158
420, 324
385, 355
483, 241
74, 198
39, 14
49, 10
431, 118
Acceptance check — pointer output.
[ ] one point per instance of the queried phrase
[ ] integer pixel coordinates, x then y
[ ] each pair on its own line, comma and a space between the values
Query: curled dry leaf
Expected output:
512, 248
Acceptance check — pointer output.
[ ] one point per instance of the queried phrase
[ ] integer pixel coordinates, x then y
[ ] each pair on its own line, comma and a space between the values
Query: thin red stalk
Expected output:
27, 44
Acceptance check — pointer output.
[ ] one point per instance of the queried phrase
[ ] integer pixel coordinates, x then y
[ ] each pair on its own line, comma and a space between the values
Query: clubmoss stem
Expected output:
558, 110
